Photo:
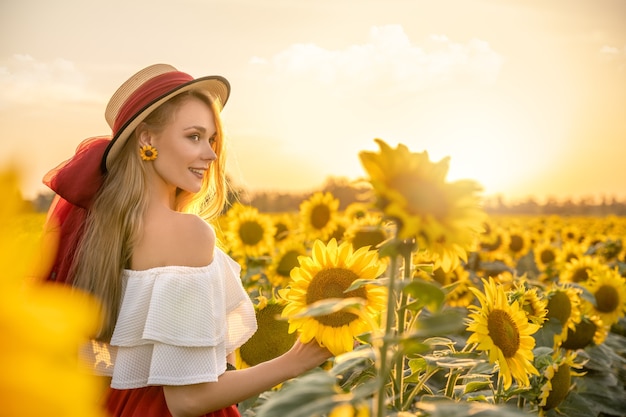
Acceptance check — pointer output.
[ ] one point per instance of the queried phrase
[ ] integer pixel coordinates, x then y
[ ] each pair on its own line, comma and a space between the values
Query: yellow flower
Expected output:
349, 410
318, 215
504, 332
564, 305
286, 258
272, 337
579, 270
249, 233
546, 254
558, 380
284, 225
519, 241
609, 291
535, 306
148, 153
326, 274
366, 230
458, 293
444, 217
588, 332
43, 325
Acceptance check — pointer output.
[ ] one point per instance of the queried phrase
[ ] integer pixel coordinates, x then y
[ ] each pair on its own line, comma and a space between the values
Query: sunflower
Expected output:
286, 258
535, 306
444, 217
350, 410
43, 325
318, 215
519, 241
272, 337
502, 330
356, 210
546, 254
557, 380
367, 230
579, 270
494, 245
284, 224
609, 292
564, 305
590, 331
326, 274
458, 292
570, 251
248, 233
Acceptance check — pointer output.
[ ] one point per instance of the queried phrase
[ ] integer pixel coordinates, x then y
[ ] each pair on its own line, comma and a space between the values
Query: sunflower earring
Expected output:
148, 153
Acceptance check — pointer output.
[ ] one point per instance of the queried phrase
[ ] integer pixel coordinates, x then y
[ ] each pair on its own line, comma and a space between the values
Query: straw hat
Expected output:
142, 93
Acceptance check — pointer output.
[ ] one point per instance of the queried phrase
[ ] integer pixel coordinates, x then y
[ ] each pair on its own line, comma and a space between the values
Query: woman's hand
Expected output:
306, 356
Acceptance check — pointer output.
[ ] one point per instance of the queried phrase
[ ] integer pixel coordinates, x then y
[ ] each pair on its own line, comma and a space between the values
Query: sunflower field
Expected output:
430, 306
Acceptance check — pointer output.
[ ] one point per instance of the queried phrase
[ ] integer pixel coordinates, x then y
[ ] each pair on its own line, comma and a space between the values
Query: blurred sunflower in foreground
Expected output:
502, 330
326, 274
444, 217
42, 326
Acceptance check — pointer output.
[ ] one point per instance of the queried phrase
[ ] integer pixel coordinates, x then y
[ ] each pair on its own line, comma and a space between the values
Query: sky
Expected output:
526, 97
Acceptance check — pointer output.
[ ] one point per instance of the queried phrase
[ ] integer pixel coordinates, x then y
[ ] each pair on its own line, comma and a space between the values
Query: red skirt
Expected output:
149, 402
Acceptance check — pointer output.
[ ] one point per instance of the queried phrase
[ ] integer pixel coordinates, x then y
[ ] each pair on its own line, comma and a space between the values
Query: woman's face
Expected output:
185, 146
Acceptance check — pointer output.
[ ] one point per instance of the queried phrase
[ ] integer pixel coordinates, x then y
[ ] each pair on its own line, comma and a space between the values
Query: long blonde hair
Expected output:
115, 221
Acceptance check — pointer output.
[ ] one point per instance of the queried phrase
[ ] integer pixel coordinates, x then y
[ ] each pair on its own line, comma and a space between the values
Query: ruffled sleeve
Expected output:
177, 324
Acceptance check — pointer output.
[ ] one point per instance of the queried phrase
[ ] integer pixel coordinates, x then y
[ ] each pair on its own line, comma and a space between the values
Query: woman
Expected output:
132, 215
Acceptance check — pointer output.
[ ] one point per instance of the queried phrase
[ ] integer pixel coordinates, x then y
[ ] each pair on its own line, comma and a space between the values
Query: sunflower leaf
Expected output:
444, 322
331, 305
358, 283
316, 389
426, 293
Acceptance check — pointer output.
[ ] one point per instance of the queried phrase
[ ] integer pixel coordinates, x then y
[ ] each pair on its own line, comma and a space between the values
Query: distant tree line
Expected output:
348, 192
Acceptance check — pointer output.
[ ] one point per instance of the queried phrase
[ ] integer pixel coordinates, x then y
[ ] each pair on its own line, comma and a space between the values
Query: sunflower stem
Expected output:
499, 389
451, 383
402, 316
389, 323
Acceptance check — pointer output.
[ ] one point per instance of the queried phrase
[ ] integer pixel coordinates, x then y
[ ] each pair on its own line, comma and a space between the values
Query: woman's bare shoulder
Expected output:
174, 239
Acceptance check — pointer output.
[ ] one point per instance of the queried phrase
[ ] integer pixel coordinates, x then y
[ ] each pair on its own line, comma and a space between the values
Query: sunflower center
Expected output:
504, 333
367, 238
281, 231
561, 382
580, 275
320, 216
423, 197
607, 299
271, 339
560, 307
250, 232
547, 256
332, 283
287, 263
517, 243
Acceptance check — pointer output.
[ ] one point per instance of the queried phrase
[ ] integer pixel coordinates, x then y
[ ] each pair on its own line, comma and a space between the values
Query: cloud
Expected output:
25, 80
615, 55
388, 59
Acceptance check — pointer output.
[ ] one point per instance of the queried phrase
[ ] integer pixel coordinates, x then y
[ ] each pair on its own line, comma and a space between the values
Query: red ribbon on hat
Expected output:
147, 93
76, 183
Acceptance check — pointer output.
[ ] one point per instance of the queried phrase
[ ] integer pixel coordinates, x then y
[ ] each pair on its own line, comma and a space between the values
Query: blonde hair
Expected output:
115, 221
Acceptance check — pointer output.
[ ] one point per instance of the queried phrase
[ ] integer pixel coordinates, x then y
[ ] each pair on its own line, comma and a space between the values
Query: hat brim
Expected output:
215, 85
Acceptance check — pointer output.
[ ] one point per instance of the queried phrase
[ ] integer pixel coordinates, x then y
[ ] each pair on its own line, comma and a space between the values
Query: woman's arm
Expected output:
235, 386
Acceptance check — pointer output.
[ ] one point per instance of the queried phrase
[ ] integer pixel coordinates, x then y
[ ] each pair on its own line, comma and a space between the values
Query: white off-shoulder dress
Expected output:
176, 326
